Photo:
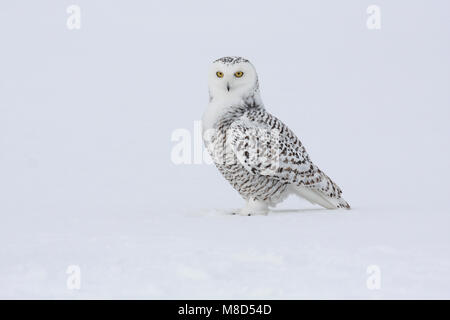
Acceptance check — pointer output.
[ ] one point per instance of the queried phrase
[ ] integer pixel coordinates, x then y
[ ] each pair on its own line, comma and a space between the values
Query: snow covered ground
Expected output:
86, 171
301, 254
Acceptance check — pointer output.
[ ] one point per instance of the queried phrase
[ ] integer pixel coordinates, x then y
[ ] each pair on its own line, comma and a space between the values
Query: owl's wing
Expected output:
266, 146
269, 148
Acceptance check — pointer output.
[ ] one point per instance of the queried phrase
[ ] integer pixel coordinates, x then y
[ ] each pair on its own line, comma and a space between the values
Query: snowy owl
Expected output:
256, 152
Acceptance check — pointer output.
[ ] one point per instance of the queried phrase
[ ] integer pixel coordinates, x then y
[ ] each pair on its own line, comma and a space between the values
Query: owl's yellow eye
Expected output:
238, 74
219, 74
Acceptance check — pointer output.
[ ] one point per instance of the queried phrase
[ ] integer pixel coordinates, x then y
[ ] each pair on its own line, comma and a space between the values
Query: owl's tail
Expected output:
317, 197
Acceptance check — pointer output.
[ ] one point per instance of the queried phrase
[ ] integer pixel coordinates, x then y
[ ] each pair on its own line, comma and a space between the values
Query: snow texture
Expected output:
86, 176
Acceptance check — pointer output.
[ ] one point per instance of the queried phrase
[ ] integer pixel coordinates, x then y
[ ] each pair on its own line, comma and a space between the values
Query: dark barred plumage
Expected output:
235, 141
231, 60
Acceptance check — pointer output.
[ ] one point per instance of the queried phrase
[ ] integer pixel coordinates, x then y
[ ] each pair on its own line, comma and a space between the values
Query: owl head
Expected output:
232, 77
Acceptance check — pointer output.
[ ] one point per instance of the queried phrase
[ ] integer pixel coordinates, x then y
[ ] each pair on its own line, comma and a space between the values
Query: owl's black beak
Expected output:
228, 86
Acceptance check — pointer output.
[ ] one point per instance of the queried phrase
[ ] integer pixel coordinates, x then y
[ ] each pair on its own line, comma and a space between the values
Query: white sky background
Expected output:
86, 116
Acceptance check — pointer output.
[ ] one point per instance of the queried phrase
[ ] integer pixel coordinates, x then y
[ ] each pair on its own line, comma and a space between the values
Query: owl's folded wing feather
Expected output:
268, 147
269, 150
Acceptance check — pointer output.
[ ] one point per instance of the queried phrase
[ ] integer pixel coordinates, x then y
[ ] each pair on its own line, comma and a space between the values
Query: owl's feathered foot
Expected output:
253, 208
239, 213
